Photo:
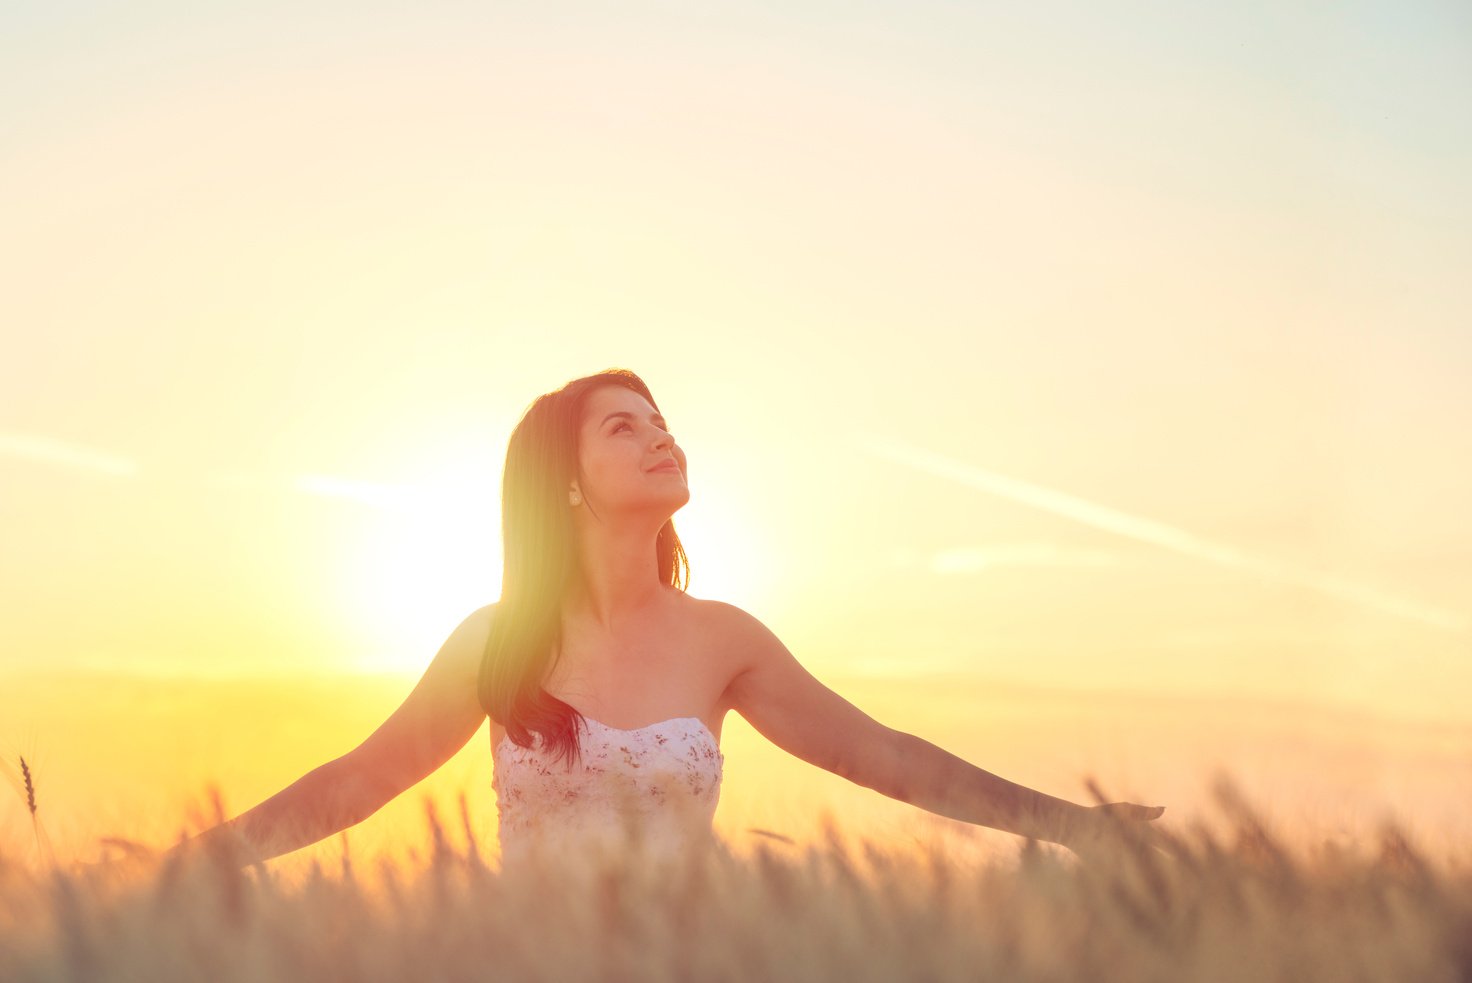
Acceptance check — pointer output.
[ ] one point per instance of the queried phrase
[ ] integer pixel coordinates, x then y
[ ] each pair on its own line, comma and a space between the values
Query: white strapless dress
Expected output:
654, 787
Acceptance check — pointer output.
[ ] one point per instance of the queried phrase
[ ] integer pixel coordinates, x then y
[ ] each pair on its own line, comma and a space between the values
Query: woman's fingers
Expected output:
131, 848
1115, 829
1125, 825
1128, 810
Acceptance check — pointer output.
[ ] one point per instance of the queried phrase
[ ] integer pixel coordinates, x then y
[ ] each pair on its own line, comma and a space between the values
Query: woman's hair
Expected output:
541, 561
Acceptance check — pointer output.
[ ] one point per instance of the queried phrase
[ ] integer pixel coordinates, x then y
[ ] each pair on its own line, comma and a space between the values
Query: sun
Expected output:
428, 559
432, 554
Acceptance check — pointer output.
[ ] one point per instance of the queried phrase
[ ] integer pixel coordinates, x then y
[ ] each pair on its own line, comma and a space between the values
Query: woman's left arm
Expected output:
792, 709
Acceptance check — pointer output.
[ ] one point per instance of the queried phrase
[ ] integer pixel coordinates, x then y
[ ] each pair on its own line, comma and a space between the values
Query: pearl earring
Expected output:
575, 498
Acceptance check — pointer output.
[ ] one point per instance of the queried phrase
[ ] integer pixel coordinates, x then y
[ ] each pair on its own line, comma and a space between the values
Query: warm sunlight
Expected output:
1079, 389
424, 562
728, 548
430, 552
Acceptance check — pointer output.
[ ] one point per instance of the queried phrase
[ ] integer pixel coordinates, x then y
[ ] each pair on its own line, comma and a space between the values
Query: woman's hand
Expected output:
129, 858
1107, 832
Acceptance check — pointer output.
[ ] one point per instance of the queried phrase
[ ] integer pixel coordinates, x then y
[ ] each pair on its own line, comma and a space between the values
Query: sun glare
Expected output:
428, 562
434, 555
723, 543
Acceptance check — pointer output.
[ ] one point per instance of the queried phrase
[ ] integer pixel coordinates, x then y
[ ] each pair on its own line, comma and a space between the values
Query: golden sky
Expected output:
1045, 344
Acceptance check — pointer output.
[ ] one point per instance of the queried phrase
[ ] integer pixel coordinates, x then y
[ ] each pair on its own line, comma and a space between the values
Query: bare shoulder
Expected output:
483, 615
478, 622
467, 643
790, 706
745, 641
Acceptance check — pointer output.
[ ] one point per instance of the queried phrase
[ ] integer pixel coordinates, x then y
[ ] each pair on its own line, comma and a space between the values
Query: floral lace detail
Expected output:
663, 779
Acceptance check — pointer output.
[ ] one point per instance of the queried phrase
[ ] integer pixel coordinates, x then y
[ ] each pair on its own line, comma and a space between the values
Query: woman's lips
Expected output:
667, 466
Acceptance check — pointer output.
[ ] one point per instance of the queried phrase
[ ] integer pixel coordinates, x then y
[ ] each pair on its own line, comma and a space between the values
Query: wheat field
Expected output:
1243, 904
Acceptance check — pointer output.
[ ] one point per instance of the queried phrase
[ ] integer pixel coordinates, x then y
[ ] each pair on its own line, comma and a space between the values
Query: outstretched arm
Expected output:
437, 718
792, 709
324, 801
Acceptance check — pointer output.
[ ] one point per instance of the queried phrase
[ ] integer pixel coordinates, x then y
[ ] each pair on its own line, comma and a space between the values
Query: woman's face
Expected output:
621, 443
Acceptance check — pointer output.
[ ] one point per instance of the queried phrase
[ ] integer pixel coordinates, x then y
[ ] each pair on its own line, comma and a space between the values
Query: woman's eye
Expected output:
620, 426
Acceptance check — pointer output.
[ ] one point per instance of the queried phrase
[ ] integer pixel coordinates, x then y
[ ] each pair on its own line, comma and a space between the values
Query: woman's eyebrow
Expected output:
653, 416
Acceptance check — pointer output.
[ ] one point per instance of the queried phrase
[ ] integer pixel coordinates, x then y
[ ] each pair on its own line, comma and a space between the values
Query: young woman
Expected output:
606, 684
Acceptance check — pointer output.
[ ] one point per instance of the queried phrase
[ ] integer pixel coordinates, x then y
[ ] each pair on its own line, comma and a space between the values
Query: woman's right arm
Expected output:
438, 717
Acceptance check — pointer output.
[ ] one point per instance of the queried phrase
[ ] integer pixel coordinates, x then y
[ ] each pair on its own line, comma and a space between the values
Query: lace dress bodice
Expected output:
660, 782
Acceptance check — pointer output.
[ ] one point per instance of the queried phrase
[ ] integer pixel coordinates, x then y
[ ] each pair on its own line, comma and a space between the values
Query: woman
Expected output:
606, 684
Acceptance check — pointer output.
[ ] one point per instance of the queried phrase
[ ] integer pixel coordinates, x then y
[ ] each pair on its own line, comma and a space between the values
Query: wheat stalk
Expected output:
25, 771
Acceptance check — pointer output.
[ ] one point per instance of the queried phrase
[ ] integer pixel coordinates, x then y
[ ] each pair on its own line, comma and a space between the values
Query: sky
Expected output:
1116, 350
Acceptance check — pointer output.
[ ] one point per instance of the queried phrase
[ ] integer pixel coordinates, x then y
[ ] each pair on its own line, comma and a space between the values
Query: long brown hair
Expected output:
540, 560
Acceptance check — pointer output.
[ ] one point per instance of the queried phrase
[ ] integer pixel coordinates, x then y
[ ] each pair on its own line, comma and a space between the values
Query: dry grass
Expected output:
1244, 907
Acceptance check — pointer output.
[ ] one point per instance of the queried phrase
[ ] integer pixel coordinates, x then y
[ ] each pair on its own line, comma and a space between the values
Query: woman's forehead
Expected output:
610, 399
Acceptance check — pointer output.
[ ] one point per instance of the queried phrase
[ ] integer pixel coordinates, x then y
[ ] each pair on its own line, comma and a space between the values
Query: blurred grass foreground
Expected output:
1239, 906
